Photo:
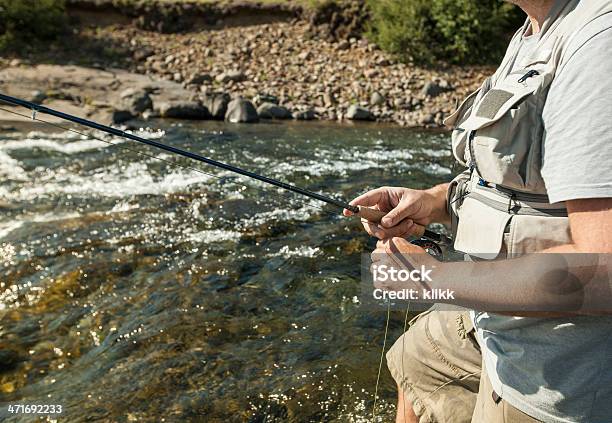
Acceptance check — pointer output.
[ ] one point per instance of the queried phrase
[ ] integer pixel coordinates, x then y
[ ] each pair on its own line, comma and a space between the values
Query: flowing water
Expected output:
133, 290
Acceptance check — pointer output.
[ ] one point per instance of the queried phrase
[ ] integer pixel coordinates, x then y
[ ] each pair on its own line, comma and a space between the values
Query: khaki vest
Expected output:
499, 206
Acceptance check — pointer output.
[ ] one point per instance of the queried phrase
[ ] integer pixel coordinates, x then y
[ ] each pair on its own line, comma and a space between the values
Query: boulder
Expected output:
273, 111
358, 113
216, 103
183, 110
135, 100
121, 116
307, 114
240, 110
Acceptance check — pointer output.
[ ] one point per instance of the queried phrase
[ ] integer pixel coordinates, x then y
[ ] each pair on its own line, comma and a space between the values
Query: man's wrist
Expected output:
437, 197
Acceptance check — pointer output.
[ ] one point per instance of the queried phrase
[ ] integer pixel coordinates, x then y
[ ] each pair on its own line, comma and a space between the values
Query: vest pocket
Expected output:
480, 229
505, 132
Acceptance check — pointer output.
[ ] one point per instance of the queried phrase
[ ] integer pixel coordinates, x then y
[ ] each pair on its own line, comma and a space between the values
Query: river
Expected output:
135, 290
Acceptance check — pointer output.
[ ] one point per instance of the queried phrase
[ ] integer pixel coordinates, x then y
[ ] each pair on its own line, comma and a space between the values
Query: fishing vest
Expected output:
499, 206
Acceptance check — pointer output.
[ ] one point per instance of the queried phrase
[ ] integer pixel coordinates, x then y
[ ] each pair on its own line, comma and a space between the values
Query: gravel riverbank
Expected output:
288, 67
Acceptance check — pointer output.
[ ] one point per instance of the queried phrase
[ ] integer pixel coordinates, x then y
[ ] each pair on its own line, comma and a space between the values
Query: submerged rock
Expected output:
273, 111
183, 110
359, 113
240, 110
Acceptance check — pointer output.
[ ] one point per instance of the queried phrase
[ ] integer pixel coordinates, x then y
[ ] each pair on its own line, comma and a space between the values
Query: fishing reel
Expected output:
431, 247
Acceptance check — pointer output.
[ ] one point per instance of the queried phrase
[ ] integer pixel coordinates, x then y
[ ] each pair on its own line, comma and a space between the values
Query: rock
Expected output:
371, 73
358, 113
216, 103
377, 99
273, 111
435, 88
265, 98
14, 63
445, 85
150, 114
142, 53
329, 99
383, 62
38, 97
199, 79
121, 116
241, 110
343, 45
136, 101
235, 76
427, 119
306, 55
8, 359
183, 110
307, 114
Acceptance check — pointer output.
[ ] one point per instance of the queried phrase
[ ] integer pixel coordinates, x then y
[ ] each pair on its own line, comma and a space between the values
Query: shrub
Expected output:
30, 20
453, 31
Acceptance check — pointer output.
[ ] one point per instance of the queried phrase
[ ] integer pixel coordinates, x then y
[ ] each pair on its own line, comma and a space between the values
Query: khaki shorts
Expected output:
438, 365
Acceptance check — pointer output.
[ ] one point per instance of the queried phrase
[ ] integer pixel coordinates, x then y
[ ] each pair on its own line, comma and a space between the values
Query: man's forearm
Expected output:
558, 282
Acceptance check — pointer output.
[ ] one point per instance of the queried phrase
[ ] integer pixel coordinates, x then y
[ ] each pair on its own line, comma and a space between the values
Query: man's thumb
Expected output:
388, 221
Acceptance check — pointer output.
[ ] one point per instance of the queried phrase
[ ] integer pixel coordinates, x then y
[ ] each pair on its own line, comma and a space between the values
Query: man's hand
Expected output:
399, 254
404, 208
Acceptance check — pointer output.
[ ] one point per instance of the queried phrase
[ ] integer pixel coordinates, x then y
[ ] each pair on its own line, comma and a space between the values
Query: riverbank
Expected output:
283, 64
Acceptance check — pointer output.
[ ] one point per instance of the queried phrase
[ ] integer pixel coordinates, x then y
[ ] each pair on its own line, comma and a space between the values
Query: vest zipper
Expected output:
528, 75
473, 163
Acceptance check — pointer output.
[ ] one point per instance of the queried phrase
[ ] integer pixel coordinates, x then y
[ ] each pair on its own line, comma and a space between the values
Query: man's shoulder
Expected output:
593, 40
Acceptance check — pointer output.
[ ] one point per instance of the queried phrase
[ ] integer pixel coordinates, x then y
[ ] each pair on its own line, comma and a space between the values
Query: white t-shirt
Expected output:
560, 370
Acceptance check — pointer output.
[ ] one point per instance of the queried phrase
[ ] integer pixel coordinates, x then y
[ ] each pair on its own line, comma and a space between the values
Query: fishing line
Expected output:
382, 359
223, 179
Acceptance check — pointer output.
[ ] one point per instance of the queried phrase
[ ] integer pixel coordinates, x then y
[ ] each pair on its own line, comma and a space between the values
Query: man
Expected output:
537, 141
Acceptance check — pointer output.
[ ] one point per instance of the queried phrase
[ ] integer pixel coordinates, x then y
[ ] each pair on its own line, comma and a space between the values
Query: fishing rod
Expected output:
369, 214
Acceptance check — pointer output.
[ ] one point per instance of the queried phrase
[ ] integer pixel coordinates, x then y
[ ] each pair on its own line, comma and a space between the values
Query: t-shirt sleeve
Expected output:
577, 147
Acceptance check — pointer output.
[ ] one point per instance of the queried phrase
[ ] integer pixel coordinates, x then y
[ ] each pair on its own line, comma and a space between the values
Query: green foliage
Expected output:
453, 31
29, 20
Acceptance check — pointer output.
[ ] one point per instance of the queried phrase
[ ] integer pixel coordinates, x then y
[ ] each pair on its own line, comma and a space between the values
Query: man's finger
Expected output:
370, 198
373, 229
405, 228
403, 210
